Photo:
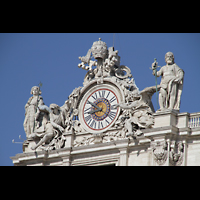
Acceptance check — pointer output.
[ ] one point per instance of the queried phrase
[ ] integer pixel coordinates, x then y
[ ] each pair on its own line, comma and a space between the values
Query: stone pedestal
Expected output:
163, 119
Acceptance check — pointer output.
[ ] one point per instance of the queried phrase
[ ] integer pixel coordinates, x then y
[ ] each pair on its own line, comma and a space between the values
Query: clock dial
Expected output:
99, 110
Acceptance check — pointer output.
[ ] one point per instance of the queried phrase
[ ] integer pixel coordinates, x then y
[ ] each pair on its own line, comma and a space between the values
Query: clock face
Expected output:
98, 112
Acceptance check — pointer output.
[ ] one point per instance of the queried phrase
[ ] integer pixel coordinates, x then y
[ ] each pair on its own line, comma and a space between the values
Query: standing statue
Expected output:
171, 85
31, 109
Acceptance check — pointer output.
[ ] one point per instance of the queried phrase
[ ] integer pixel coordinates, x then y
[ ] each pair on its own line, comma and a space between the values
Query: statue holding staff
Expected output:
31, 109
171, 85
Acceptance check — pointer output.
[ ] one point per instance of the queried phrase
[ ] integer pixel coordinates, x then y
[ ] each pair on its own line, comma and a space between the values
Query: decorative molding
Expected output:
160, 151
176, 153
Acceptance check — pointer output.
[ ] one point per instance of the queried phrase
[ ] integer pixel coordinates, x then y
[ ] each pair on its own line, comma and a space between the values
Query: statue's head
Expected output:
35, 90
99, 49
169, 58
54, 108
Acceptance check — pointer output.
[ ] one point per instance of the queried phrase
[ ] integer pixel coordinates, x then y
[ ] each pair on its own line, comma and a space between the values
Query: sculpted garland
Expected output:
109, 106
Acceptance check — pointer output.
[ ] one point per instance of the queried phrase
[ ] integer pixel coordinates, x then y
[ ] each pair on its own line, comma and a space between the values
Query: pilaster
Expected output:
123, 149
69, 136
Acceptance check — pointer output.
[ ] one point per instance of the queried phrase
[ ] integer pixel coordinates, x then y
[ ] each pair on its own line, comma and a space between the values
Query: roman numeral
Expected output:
88, 118
95, 96
100, 125
93, 124
101, 93
108, 95
88, 102
113, 99
107, 121
85, 111
112, 115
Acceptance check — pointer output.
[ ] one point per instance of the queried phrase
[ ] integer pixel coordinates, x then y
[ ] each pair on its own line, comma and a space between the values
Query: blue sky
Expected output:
52, 58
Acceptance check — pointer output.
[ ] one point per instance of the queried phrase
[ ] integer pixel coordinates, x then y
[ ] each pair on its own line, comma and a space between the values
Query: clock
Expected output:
97, 111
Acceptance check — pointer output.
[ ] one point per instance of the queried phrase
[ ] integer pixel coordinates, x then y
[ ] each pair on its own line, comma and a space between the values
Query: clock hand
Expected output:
93, 111
94, 105
102, 111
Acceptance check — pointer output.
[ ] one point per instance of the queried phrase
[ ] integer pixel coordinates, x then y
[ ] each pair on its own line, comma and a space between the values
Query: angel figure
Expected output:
137, 113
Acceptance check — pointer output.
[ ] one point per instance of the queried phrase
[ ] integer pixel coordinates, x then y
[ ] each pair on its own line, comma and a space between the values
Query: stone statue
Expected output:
30, 110
107, 64
73, 97
49, 124
57, 117
171, 84
43, 128
137, 113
